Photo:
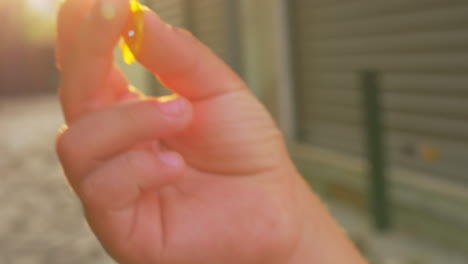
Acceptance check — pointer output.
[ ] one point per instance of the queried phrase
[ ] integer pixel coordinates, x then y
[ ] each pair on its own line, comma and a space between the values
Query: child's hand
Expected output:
203, 178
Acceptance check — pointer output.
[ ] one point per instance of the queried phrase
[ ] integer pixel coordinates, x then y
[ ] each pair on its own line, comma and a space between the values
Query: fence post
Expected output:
374, 131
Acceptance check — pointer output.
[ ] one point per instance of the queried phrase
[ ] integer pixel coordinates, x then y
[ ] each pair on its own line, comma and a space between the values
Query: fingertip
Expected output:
105, 24
109, 10
177, 113
175, 167
88, 66
172, 160
69, 18
174, 106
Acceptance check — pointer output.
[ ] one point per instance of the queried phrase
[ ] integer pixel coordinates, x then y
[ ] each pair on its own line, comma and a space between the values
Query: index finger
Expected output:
69, 18
89, 65
180, 61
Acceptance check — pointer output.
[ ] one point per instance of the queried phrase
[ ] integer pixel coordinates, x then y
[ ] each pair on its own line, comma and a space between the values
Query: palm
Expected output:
190, 217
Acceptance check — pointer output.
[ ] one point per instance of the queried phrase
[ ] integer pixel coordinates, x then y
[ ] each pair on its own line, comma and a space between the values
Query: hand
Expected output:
203, 177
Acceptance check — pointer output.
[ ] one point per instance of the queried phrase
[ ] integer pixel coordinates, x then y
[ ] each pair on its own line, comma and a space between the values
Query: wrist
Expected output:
322, 240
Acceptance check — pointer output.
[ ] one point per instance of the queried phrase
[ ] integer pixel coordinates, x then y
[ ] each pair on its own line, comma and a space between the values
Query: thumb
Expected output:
231, 132
182, 63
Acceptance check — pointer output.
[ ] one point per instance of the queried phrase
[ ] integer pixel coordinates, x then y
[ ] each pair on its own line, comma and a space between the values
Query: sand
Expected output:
41, 221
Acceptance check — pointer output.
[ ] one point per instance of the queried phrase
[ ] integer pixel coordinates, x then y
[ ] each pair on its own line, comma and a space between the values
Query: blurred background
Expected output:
372, 96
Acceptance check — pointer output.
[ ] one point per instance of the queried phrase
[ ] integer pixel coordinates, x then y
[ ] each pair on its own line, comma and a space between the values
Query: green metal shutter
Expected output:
420, 49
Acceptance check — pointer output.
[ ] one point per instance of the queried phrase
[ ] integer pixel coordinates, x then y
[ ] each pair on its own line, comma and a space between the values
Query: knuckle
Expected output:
141, 120
132, 118
141, 162
88, 190
64, 145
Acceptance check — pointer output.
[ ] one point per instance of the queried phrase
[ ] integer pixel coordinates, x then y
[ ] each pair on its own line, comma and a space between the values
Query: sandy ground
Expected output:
40, 219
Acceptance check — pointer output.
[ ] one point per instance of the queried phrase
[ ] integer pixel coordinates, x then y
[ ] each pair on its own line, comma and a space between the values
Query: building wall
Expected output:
419, 49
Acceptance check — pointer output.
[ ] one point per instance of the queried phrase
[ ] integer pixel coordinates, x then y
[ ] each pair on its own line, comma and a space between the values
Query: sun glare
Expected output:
39, 19
43, 7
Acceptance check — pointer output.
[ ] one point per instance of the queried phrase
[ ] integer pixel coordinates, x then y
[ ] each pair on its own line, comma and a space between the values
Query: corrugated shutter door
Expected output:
209, 24
216, 23
171, 11
420, 49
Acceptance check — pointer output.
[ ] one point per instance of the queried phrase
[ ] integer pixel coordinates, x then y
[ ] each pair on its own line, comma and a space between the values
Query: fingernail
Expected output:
171, 159
133, 36
173, 105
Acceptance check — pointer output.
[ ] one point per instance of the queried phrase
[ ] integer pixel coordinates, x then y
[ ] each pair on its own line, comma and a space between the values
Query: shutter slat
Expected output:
434, 41
418, 21
348, 138
171, 11
447, 62
368, 8
209, 25
411, 83
402, 121
448, 106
